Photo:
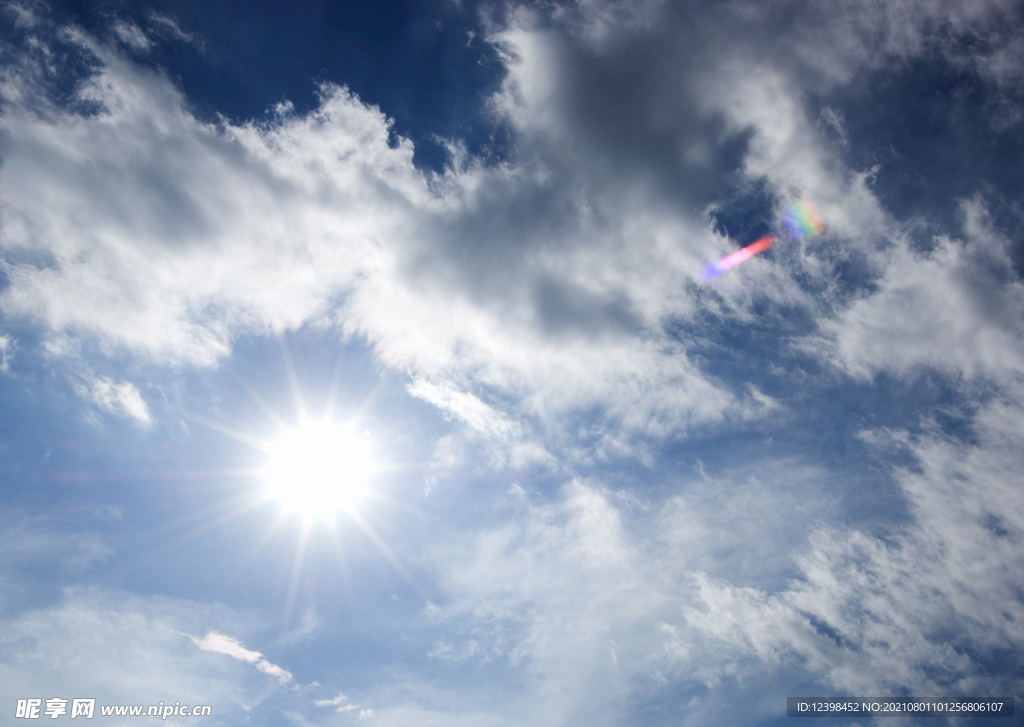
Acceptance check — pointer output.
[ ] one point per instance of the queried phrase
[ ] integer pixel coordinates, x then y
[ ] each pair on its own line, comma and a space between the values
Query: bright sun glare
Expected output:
319, 469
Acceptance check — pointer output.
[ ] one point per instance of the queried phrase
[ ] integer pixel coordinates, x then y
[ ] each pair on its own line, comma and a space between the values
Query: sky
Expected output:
357, 364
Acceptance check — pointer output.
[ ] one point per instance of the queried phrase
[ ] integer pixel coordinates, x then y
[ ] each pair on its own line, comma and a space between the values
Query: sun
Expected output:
319, 469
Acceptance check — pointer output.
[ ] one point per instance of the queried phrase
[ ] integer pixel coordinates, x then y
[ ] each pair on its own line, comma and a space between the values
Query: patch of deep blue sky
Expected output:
425, 64
937, 132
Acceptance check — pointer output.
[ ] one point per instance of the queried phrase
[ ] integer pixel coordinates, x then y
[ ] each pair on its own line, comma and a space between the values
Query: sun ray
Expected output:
388, 554
317, 469
298, 562
204, 521
268, 411
226, 429
335, 386
293, 379
339, 556
256, 550
177, 533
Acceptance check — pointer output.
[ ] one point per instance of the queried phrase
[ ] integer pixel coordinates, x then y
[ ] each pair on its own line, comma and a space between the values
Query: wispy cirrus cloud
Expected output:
924, 610
7, 348
343, 705
132, 36
220, 644
954, 308
584, 597
117, 397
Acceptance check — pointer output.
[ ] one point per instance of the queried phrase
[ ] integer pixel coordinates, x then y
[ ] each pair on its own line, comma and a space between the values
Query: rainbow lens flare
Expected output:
802, 220
730, 261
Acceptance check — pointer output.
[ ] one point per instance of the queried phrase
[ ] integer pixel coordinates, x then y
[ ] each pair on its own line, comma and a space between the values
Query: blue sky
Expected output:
602, 490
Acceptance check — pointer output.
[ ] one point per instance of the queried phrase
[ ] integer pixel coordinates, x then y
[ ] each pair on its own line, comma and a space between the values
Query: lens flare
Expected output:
802, 220
730, 261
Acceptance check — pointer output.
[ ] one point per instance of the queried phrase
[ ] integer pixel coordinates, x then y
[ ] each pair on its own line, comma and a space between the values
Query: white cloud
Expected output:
343, 705
282, 675
221, 644
545, 594
466, 407
166, 25
120, 398
7, 347
416, 715
518, 294
955, 308
923, 608
176, 261
29, 541
337, 701
29, 537
132, 35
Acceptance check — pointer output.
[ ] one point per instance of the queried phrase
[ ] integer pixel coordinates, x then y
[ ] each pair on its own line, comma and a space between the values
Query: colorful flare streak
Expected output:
730, 261
801, 220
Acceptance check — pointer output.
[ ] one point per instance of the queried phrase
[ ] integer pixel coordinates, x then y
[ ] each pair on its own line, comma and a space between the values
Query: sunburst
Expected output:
319, 469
